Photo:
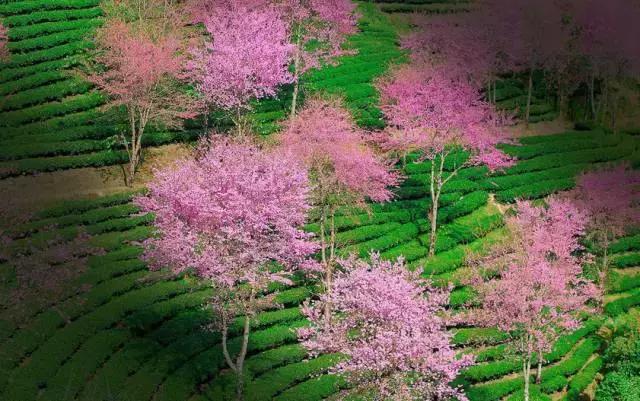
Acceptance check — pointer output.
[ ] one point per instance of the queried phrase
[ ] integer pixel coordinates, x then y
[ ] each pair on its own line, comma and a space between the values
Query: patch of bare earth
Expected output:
28, 193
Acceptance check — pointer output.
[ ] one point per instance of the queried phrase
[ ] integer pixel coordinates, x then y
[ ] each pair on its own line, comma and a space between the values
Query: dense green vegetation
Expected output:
50, 119
138, 335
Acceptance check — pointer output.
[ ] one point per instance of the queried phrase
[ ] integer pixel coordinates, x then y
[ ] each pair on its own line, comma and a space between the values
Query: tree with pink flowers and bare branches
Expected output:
145, 75
231, 215
389, 325
343, 170
610, 198
540, 291
318, 30
436, 114
245, 57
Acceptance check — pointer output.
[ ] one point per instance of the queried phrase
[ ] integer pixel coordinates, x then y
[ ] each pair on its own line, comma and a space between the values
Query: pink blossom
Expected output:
247, 55
228, 213
326, 139
429, 110
610, 198
387, 322
540, 291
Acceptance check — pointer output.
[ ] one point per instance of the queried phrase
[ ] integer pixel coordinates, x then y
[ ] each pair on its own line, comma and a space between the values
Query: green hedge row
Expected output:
51, 16
617, 282
575, 157
582, 379
625, 260
46, 359
11, 74
19, 33
90, 217
27, 166
25, 7
52, 92
505, 182
535, 190
48, 41
625, 244
54, 109
30, 82
575, 361
404, 233
622, 305
39, 56
529, 151
314, 389
453, 259
65, 124
47, 149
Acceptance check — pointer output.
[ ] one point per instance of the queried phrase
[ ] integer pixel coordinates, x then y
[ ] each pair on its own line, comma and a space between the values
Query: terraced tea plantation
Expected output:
116, 331
50, 118
119, 332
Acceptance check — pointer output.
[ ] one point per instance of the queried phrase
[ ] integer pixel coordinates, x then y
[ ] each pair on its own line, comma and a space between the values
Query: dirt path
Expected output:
28, 193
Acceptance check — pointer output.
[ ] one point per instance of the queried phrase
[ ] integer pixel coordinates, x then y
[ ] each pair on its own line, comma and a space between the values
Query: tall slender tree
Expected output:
437, 114
146, 77
229, 215
343, 171
388, 324
245, 57
318, 30
540, 291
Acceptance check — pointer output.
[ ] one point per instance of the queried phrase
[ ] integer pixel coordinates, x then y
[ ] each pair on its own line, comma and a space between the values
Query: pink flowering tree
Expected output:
343, 171
469, 44
610, 200
540, 291
4, 39
318, 30
230, 215
433, 113
388, 324
143, 75
246, 57
607, 40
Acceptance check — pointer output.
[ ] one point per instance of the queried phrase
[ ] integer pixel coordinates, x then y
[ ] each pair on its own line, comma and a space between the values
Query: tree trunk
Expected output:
241, 357
527, 375
296, 76
529, 95
435, 192
330, 264
539, 370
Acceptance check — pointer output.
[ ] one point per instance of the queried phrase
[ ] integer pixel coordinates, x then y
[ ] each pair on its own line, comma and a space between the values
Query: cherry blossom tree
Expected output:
318, 29
469, 44
607, 40
4, 39
436, 114
229, 215
540, 290
343, 171
388, 323
246, 57
144, 76
610, 199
